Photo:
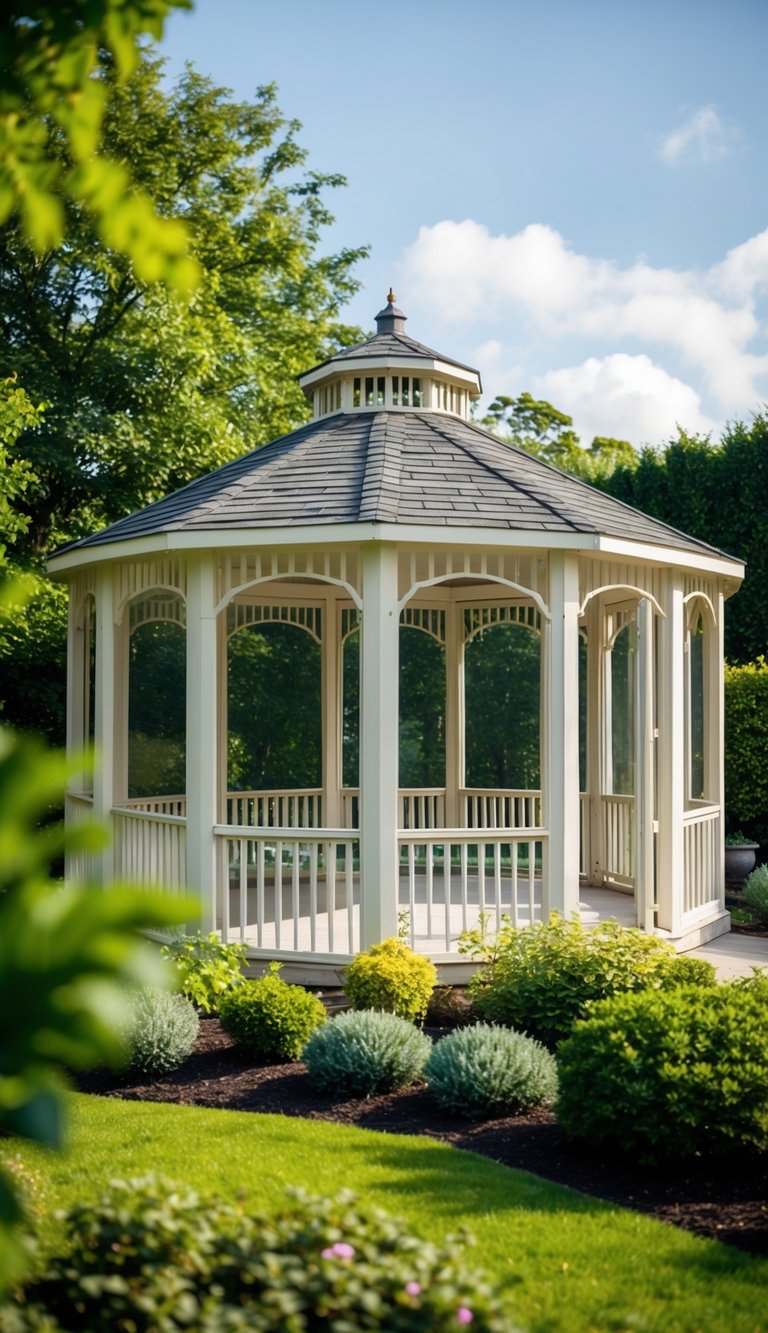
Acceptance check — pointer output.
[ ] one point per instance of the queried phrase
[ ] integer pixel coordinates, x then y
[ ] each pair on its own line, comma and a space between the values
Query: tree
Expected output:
54, 57
142, 392
542, 430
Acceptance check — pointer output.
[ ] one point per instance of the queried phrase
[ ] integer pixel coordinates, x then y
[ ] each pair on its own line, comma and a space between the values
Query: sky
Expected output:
570, 195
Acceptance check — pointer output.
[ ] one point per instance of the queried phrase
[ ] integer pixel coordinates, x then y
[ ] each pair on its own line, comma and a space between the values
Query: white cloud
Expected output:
703, 137
627, 397
710, 321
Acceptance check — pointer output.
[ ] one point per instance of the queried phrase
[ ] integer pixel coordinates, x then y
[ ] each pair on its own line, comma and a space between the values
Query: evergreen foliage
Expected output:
363, 1052
391, 977
746, 747
271, 1019
490, 1071
756, 890
161, 1032
658, 1075
542, 977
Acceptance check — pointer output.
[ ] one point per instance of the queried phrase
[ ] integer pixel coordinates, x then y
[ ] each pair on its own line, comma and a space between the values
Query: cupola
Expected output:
391, 372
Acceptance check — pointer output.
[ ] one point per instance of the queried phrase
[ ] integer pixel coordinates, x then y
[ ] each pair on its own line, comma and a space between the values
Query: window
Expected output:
695, 710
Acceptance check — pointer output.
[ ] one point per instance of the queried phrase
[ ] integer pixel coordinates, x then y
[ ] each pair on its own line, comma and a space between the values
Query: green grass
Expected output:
570, 1261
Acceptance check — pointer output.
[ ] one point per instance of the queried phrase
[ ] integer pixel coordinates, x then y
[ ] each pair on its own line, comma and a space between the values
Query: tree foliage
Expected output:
746, 747
54, 59
542, 430
715, 492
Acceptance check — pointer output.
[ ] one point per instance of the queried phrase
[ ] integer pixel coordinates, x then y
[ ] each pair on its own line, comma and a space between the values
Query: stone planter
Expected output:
739, 860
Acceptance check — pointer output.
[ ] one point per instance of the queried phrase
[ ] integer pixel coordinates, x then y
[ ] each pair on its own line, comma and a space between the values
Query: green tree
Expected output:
547, 433
17, 413
54, 58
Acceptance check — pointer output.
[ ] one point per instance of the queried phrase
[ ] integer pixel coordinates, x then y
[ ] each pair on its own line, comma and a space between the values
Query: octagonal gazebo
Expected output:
391, 511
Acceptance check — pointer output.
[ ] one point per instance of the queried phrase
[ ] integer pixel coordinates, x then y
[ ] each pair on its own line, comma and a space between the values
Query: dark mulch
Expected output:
724, 1199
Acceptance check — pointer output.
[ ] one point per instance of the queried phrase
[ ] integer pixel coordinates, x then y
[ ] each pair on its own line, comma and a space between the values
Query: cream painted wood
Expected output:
592, 850
77, 686
715, 742
379, 743
454, 712
560, 786
331, 712
121, 741
104, 716
644, 870
202, 747
671, 760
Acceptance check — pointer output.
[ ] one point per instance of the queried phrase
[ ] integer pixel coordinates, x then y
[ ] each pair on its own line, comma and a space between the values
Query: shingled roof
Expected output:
428, 468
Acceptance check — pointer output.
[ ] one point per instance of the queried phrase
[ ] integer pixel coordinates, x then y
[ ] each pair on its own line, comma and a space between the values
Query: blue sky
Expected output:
571, 195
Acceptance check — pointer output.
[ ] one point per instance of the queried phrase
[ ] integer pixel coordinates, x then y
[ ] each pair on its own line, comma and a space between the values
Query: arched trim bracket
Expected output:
697, 603
518, 588
641, 594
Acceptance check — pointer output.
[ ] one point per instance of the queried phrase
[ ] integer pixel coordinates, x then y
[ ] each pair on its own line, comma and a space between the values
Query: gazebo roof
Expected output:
423, 468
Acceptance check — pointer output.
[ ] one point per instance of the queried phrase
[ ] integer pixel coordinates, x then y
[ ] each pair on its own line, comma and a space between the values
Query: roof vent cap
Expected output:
390, 319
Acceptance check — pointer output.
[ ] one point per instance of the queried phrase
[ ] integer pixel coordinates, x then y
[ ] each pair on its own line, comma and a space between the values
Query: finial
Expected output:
390, 319
391, 298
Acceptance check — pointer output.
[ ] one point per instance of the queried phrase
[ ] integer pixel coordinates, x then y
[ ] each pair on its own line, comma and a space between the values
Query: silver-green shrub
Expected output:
756, 890
162, 1030
483, 1070
363, 1052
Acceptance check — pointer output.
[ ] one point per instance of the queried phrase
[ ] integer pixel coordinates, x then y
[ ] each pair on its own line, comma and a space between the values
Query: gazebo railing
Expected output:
618, 814
702, 845
500, 808
150, 847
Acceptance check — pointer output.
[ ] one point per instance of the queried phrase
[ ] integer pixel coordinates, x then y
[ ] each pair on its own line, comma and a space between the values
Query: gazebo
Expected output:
392, 514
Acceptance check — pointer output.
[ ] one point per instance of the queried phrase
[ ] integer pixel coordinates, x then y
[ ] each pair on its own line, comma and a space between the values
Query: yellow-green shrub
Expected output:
390, 976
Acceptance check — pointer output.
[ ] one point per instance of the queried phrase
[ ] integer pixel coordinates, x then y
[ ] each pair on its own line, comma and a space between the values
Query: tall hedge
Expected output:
746, 749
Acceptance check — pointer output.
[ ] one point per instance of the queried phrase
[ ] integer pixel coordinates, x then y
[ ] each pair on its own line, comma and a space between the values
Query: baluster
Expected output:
349, 874
260, 891
313, 897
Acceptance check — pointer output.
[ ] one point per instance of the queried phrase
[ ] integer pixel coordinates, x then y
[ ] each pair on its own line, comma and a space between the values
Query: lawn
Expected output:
569, 1261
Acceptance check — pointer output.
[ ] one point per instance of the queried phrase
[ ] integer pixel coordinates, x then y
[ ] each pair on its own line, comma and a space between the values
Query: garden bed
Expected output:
726, 1199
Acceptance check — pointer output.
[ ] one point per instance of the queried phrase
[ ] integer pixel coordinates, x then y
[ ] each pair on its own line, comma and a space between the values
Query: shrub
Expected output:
483, 1070
270, 1018
151, 1255
669, 1074
755, 890
162, 1031
207, 967
390, 976
364, 1052
746, 741
545, 974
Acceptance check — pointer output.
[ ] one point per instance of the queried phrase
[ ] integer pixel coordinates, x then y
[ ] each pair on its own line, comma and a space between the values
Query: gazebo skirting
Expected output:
286, 886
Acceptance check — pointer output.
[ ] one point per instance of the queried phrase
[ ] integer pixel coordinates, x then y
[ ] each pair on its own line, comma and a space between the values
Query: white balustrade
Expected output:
451, 880
702, 844
150, 848
501, 808
299, 808
421, 807
78, 810
619, 839
158, 805
287, 889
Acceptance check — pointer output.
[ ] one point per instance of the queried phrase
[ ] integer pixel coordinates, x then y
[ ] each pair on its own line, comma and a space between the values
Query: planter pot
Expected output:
739, 860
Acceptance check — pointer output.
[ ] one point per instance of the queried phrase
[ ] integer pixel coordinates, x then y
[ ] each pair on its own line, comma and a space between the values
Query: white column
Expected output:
104, 717
560, 786
714, 739
331, 729
121, 737
644, 783
594, 848
671, 759
77, 682
379, 745
202, 745
454, 714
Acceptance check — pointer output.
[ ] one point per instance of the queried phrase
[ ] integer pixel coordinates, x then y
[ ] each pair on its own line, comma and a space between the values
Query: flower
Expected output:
464, 1315
413, 1288
340, 1250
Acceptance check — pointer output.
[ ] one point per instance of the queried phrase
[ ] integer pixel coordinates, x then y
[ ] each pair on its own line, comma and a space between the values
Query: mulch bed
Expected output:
726, 1199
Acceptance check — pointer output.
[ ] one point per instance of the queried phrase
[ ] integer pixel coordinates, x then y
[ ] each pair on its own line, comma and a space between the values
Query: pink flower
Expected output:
463, 1315
413, 1288
339, 1251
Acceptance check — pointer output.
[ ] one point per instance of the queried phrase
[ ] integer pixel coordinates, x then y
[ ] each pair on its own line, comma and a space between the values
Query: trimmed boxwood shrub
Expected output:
270, 1018
152, 1255
667, 1074
543, 975
482, 1070
162, 1031
363, 1052
390, 976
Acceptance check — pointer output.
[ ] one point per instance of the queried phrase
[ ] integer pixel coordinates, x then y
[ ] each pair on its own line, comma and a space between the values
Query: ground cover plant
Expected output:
563, 1257
271, 1019
541, 977
484, 1071
670, 1074
390, 976
153, 1255
365, 1051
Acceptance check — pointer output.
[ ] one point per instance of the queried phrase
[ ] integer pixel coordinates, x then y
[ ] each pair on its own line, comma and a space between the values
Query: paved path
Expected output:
734, 955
